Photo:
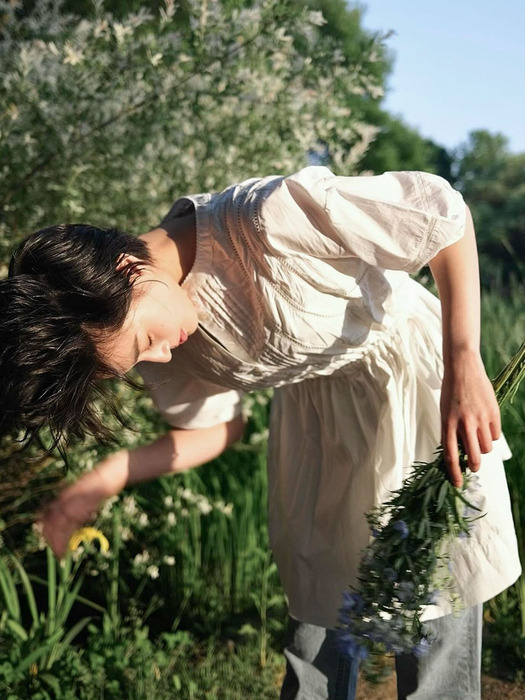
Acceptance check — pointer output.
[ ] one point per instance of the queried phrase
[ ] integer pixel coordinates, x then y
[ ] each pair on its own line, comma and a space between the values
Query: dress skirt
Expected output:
340, 444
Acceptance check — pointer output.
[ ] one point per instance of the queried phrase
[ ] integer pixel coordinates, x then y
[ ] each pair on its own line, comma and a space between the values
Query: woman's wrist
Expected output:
111, 474
460, 352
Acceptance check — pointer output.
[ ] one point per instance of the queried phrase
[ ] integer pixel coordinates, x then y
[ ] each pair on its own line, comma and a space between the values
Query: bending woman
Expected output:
300, 283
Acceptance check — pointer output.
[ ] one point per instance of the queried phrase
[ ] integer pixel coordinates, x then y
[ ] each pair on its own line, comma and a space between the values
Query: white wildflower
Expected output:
143, 519
72, 56
258, 438
121, 31
12, 112
153, 571
228, 509
184, 512
156, 59
101, 29
204, 506
106, 509
188, 495
172, 518
168, 501
247, 406
141, 558
169, 10
126, 534
130, 505
169, 560
316, 18
224, 508
38, 529
77, 553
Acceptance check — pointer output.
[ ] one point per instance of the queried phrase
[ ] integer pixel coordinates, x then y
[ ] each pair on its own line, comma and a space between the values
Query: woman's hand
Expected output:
76, 505
469, 412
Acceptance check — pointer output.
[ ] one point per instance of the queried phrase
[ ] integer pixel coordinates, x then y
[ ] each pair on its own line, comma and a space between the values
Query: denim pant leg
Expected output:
315, 670
452, 668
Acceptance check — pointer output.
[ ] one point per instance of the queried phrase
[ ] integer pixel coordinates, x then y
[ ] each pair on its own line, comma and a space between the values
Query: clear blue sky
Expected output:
458, 65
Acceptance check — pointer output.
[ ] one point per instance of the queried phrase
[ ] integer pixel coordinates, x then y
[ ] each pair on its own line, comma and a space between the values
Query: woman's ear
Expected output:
124, 259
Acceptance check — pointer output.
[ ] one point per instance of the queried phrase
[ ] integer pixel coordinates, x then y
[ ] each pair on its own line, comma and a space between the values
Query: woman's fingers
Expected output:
495, 428
470, 440
451, 454
58, 522
476, 440
485, 439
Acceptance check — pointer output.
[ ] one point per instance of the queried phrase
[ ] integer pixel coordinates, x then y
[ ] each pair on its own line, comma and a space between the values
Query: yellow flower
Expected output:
88, 534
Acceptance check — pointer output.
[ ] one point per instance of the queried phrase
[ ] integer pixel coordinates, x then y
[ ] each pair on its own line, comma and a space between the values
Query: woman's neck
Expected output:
174, 245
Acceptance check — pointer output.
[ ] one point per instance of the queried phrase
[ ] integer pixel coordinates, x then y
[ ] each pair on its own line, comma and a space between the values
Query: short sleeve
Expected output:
185, 401
396, 221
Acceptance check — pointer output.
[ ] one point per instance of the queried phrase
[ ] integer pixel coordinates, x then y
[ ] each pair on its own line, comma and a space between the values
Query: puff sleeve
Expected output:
185, 401
395, 221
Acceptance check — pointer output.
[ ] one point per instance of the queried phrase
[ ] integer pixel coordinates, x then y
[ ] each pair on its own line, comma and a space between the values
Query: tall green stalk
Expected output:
506, 383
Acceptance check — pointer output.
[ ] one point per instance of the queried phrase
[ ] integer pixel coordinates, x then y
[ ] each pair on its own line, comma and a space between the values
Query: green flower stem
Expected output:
508, 380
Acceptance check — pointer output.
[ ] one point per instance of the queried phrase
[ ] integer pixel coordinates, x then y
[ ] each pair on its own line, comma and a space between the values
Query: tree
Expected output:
107, 120
397, 146
492, 180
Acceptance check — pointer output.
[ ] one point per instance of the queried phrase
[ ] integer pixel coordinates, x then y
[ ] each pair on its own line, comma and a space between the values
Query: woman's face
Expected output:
160, 319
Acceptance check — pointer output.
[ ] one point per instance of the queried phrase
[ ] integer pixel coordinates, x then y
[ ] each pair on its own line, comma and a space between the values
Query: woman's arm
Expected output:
469, 409
176, 451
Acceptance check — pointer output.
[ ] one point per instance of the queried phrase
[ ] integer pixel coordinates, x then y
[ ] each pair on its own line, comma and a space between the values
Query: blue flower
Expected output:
420, 649
401, 527
432, 597
346, 643
390, 575
405, 591
353, 601
345, 617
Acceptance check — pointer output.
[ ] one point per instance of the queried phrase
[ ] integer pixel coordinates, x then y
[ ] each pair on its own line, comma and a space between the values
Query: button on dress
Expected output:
302, 284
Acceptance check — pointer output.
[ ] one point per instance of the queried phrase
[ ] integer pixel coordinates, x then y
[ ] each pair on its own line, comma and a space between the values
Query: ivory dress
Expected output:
302, 284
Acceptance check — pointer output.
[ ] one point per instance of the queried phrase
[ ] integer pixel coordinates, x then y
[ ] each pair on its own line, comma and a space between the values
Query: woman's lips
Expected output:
183, 337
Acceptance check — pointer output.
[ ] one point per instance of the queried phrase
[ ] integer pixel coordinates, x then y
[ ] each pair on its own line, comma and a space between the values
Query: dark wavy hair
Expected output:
61, 298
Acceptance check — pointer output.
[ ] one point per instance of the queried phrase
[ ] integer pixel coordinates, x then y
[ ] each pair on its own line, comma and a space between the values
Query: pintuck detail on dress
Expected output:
302, 283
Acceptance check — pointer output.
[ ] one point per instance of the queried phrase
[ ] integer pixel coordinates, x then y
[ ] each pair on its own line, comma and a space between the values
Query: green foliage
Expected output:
37, 659
399, 147
123, 661
492, 180
105, 120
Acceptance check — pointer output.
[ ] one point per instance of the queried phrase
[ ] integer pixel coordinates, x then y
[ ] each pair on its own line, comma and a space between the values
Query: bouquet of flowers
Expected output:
406, 565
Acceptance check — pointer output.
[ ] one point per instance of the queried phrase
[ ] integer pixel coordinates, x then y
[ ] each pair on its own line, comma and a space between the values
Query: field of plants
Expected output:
187, 597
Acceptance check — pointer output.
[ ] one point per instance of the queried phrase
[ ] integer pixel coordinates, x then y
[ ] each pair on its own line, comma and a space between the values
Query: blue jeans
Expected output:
450, 671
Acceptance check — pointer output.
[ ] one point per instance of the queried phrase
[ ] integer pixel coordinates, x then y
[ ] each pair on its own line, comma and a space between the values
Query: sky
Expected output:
459, 65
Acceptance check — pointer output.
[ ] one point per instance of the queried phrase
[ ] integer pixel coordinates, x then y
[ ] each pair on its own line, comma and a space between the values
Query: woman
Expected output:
299, 283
